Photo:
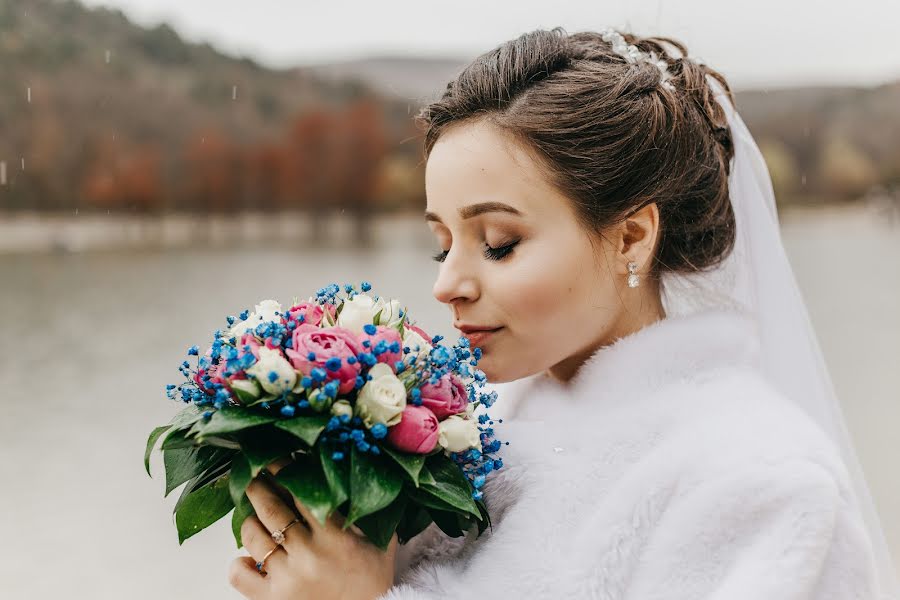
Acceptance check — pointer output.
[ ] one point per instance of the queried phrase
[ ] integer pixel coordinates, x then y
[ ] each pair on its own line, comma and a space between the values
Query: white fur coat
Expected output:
668, 469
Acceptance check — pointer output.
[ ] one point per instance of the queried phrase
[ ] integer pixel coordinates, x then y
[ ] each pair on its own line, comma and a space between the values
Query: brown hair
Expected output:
609, 136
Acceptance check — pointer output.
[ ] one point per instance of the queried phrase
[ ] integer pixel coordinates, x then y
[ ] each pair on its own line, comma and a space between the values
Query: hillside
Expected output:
98, 113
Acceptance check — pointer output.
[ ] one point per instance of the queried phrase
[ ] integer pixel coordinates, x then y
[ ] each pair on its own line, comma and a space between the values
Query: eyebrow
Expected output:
473, 210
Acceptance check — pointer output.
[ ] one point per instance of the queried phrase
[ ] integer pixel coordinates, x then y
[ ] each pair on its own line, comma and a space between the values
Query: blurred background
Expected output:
164, 164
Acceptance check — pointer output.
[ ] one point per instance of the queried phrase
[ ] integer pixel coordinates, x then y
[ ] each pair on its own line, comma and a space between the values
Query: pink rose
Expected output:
248, 339
446, 397
417, 432
389, 336
212, 371
331, 342
312, 313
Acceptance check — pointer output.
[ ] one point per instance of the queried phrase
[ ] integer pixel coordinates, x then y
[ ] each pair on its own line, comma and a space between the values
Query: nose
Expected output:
455, 283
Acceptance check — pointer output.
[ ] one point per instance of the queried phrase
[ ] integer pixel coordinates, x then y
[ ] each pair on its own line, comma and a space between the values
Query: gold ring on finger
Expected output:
278, 534
260, 566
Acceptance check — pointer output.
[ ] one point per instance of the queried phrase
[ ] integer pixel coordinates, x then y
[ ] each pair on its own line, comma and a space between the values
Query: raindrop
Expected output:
108, 56
234, 92
803, 179
2, 172
23, 164
76, 212
29, 94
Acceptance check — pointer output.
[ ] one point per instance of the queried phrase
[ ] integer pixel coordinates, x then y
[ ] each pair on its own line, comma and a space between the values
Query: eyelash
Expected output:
491, 253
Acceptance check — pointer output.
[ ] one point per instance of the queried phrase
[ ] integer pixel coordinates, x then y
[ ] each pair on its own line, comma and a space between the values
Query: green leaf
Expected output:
151, 442
451, 523
425, 476
485, 521
183, 464
187, 417
380, 526
374, 483
411, 463
221, 442
177, 438
377, 319
414, 521
242, 509
306, 481
230, 420
451, 485
239, 478
337, 473
429, 500
261, 400
307, 428
202, 508
207, 477
264, 445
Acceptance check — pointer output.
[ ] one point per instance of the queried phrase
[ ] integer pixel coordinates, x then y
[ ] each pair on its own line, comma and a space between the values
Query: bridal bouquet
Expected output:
377, 417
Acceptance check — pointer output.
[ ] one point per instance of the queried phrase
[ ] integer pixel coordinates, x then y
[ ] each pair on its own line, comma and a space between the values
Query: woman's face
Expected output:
515, 257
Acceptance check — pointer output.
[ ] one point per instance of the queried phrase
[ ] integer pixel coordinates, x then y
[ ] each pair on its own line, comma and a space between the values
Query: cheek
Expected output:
545, 283
557, 285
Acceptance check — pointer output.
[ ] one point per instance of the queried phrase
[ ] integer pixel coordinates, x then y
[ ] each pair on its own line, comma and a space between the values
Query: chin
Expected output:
496, 373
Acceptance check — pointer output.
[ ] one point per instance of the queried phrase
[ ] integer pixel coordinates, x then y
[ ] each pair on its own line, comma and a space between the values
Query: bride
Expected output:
604, 212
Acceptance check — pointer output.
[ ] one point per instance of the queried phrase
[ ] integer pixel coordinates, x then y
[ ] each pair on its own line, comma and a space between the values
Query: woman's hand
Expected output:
321, 562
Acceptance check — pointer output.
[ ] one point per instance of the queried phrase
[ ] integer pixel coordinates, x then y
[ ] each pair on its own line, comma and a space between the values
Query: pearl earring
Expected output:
633, 277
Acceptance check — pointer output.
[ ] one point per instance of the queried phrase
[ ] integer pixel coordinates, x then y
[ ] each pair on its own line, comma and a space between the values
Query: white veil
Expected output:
757, 277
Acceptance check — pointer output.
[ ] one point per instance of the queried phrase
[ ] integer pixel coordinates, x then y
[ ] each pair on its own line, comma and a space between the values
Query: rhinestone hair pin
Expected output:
633, 54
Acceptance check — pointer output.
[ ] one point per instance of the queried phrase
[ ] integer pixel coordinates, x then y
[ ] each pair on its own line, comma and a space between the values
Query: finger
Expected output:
279, 465
274, 513
333, 524
258, 542
337, 520
243, 577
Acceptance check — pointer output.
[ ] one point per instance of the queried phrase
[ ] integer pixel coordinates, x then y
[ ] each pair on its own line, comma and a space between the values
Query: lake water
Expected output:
81, 518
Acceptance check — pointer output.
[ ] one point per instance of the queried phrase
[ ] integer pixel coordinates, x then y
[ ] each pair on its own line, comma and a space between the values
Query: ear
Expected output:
639, 233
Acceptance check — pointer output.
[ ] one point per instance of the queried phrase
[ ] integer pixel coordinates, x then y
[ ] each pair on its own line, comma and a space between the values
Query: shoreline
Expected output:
71, 233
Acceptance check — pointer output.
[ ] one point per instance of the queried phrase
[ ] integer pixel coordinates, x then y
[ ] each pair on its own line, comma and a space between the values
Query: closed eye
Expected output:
490, 253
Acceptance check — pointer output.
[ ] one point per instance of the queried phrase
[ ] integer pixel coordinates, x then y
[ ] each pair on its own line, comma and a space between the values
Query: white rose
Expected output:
382, 399
266, 310
262, 313
341, 407
411, 339
271, 361
470, 410
357, 312
390, 312
458, 434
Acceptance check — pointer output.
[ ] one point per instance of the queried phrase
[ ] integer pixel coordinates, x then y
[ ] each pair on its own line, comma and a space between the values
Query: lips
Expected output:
477, 338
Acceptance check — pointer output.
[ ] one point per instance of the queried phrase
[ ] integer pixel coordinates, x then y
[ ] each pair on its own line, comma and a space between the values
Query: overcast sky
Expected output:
755, 43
